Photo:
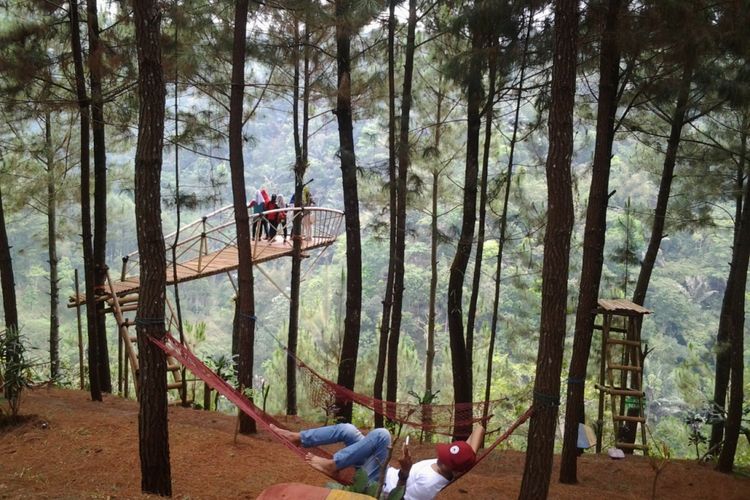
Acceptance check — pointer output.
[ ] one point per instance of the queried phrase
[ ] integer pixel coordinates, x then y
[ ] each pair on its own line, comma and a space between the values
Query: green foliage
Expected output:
15, 370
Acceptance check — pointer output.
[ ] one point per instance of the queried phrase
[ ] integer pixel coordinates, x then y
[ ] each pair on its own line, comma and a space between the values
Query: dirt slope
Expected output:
74, 448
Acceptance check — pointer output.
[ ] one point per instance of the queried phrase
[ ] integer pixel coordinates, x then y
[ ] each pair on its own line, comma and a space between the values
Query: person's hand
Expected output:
405, 462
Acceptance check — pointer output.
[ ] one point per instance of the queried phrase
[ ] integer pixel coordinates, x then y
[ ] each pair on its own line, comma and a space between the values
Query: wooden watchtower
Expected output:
621, 373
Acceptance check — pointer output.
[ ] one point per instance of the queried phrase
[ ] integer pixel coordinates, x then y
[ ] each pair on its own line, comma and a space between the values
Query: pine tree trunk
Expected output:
459, 358
735, 317
404, 160
538, 467
349, 350
246, 298
434, 242
476, 276
727, 323
670, 159
385, 321
100, 189
152, 417
88, 251
300, 167
54, 285
8, 287
593, 241
504, 214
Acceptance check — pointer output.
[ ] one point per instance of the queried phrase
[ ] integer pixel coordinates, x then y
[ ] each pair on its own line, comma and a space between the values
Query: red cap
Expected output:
458, 456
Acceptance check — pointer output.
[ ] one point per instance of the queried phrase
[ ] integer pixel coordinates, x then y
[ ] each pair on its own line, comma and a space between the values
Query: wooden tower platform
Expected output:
621, 373
207, 247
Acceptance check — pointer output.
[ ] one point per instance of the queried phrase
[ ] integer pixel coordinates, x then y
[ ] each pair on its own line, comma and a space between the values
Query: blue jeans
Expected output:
368, 452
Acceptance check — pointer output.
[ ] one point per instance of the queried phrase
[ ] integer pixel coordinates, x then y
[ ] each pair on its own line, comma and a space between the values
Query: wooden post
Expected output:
606, 319
119, 364
80, 333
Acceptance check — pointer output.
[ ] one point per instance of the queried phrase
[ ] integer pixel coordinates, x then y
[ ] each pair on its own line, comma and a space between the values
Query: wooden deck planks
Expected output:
221, 261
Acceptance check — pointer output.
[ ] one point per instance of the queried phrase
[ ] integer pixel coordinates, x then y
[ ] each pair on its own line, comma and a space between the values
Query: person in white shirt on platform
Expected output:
423, 480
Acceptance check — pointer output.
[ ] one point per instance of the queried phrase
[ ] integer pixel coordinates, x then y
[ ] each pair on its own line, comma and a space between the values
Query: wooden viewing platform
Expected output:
209, 248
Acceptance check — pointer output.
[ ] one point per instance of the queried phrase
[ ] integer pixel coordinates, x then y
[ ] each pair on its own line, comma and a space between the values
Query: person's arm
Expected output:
405, 462
476, 437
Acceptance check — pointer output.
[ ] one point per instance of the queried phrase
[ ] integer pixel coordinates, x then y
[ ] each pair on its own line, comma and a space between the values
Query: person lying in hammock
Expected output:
423, 480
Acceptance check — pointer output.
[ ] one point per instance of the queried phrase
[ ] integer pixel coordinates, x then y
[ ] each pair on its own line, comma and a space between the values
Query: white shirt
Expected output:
424, 482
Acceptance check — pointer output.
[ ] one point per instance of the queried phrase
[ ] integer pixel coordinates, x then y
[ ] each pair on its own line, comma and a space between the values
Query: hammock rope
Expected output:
434, 418
179, 351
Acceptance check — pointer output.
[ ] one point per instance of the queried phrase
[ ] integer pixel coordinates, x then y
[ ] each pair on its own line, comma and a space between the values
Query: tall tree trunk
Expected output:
100, 188
8, 287
434, 241
731, 306
152, 417
504, 214
670, 159
593, 240
54, 285
404, 160
350, 347
538, 467
88, 251
300, 167
459, 358
476, 277
246, 298
385, 322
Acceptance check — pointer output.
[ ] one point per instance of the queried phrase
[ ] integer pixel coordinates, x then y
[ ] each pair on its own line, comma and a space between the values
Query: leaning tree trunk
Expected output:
152, 417
100, 189
54, 280
350, 347
723, 342
459, 358
736, 327
731, 330
246, 299
385, 322
88, 251
541, 441
404, 160
670, 159
593, 241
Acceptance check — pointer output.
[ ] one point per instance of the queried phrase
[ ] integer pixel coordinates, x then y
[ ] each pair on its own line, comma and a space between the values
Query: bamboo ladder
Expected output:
128, 343
621, 373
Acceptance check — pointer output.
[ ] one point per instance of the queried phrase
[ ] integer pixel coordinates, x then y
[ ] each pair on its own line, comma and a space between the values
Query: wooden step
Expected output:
624, 367
619, 391
628, 418
127, 299
173, 367
125, 308
127, 323
134, 338
632, 446
174, 385
634, 343
611, 329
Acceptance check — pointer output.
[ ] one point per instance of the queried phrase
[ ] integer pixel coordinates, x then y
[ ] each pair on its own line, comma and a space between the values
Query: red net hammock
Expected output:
180, 352
435, 418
